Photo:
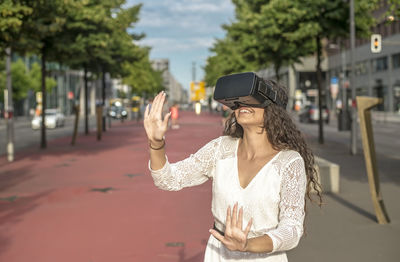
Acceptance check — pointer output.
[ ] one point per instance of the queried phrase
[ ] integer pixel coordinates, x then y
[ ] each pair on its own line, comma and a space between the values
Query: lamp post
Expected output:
353, 137
9, 108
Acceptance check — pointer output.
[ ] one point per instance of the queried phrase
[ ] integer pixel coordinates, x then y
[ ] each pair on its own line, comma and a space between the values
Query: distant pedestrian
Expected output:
262, 170
174, 116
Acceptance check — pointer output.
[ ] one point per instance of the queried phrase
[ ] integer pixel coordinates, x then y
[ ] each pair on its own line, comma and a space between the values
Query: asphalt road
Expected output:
24, 136
386, 136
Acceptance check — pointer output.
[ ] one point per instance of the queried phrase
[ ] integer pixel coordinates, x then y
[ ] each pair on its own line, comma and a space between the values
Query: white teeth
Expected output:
244, 111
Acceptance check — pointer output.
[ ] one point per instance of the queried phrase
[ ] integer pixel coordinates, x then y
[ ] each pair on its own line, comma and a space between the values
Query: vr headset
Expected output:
245, 89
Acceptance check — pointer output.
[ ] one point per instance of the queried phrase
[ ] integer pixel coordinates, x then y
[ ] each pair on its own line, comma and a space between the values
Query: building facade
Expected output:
301, 81
174, 90
376, 74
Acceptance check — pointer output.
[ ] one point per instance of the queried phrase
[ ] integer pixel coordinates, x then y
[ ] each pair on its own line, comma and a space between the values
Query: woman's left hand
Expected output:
235, 238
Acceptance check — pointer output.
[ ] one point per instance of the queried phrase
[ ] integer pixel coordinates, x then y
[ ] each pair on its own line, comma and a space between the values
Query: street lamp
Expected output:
353, 137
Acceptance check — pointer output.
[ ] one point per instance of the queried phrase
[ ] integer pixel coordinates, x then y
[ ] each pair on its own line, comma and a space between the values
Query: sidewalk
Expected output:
96, 202
345, 228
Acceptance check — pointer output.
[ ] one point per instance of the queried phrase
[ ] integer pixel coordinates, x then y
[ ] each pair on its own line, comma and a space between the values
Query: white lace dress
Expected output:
274, 198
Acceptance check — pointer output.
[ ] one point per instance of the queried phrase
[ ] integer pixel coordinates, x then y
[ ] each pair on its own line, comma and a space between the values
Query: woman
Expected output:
174, 116
262, 170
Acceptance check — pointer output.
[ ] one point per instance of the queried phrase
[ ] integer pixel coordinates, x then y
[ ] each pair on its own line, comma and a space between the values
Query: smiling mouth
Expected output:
245, 111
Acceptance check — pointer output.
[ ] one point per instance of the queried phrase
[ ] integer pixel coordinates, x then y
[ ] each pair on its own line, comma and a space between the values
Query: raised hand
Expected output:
235, 238
154, 125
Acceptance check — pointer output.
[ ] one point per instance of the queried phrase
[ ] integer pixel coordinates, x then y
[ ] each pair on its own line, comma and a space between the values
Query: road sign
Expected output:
334, 87
197, 91
376, 43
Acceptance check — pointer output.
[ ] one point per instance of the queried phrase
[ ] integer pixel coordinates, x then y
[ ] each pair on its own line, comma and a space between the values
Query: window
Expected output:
380, 64
396, 61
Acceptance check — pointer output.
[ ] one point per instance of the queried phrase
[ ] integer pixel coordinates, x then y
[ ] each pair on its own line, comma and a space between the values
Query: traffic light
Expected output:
376, 43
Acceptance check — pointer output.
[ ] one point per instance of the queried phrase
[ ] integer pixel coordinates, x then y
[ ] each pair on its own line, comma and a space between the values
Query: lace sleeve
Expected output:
192, 171
291, 215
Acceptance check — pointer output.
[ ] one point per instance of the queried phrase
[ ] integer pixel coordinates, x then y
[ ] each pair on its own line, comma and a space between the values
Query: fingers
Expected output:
240, 219
158, 104
228, 219
234, 215
247, 230
166, 117
234, 219
217, 235
153, 107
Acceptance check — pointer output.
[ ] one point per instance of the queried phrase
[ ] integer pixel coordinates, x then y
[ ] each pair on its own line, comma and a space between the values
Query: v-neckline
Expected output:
259, 171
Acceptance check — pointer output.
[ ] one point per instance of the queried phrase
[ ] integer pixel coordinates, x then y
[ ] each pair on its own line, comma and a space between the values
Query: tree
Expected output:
20, 81
24, 80
141, 77
253, 42
12, 16
99, 40
394, 9
317, 20
227, 60
35, 78
42, 29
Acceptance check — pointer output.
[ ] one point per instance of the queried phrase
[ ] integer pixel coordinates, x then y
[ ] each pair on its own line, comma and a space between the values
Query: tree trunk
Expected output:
86, 101
43, 143
319, 84
277, 69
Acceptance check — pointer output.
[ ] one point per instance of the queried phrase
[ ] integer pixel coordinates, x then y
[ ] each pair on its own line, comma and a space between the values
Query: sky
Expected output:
183, 31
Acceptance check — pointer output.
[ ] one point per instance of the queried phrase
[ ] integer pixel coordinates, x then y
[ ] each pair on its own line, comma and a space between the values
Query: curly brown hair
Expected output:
283, 134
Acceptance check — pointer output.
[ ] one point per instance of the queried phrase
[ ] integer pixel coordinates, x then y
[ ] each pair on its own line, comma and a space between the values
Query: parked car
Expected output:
54, 119
310, 114
118, 112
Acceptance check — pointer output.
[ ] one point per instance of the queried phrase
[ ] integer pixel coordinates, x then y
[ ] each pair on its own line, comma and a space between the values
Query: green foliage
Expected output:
394, 9
227, 60
35, 76
92, 34
279, 32
141, 77
12, 14
121, 94
23, 80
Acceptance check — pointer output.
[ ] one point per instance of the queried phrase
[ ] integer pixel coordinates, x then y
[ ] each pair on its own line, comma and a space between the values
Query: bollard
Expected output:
364, 105
99, 117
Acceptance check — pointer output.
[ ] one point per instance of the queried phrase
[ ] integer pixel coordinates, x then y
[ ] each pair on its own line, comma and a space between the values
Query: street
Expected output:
386, 136
97, 202
25, 136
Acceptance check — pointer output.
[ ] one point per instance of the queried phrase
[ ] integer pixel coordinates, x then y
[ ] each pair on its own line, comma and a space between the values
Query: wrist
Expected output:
245, 248
157, 144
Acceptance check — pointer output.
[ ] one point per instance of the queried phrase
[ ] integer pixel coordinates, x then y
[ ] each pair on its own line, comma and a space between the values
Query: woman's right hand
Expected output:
154, 125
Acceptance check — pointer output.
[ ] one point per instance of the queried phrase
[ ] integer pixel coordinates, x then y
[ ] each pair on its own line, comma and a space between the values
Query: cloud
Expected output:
199, 16
182, 30
165, 44
199, 6
184, 6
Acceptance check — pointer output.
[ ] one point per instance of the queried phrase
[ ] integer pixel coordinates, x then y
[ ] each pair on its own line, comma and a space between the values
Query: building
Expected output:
300, 79
68, 92
376, 74
174, 90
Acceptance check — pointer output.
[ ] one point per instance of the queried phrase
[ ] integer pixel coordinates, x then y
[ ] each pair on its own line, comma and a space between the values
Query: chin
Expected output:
249, 122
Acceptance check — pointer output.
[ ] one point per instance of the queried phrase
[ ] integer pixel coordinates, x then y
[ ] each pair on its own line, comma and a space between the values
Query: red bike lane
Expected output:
97, 202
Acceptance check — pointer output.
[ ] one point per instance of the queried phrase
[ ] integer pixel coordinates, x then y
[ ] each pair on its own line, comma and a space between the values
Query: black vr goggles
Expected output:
245, 89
